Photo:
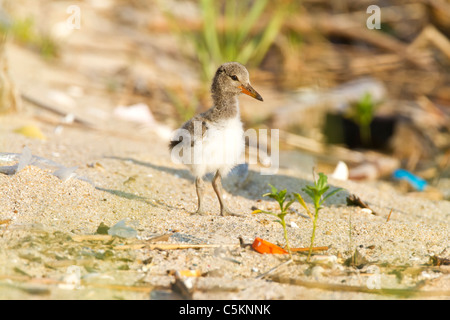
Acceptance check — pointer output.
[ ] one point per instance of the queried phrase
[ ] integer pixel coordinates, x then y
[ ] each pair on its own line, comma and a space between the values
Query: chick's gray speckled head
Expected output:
232, 78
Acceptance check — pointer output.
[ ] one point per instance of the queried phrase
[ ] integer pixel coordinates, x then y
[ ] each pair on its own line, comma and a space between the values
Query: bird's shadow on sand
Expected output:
249, 184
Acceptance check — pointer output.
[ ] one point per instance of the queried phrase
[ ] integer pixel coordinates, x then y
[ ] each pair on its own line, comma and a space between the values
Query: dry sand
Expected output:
130, 177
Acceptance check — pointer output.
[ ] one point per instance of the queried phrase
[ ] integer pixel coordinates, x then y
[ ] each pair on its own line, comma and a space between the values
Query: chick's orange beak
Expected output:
248, 90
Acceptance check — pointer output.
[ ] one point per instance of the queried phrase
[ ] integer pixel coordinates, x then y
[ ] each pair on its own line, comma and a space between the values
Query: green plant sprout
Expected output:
317, 195
281, 197
362, 113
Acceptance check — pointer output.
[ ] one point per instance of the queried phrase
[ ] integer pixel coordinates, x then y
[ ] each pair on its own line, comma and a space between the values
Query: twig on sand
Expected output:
389, 216
91, 237
54, 109
407, 292
172, 246
148, 244
49, 281
308, 248
274, 268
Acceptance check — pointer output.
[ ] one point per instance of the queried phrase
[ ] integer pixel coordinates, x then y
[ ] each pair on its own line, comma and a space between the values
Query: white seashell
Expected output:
340, 172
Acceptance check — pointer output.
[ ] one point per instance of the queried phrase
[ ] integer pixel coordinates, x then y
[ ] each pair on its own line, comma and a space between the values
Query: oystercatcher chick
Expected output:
213, 141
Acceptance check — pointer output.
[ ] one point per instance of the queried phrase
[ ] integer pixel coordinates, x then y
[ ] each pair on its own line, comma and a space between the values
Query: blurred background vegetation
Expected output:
335, 88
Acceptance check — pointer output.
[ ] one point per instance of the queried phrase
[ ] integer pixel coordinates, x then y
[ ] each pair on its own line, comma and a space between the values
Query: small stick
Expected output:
91, 237
389, 216
274, 268
151, 246
172, 246
407, 292
307, 249
163, 237
49, 281
53, 109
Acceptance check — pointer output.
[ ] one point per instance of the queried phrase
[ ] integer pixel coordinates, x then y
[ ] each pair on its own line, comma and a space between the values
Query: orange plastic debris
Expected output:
263, 246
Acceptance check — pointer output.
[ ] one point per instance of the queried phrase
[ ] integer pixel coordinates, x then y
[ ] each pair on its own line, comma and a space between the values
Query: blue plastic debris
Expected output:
415, 181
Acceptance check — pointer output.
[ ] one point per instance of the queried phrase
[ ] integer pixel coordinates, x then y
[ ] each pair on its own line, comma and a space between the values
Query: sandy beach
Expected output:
54, 240
133, 179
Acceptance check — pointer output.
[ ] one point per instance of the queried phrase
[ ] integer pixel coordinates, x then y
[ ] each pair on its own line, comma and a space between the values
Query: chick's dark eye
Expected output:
234, 78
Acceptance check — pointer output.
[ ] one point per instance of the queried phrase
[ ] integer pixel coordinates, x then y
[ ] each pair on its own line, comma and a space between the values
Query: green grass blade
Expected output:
210, 34
229, 35
270, 32
247, 51
249, 18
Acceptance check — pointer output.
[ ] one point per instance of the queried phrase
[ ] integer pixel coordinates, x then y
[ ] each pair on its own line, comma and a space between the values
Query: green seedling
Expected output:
317, 195
284, 201
362, 113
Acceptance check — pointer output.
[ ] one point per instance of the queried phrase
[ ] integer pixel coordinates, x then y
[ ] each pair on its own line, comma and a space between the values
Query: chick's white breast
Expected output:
221, 147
